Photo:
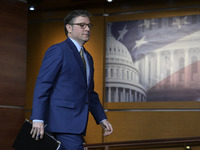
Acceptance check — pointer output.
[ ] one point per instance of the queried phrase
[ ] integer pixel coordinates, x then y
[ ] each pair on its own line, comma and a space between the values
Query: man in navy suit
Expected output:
64, 91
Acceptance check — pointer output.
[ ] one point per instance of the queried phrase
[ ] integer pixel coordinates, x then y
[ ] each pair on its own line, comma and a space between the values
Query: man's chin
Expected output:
85, 40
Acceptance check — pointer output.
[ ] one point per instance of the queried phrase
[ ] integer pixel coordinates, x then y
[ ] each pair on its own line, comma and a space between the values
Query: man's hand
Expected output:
107, 127
37, 130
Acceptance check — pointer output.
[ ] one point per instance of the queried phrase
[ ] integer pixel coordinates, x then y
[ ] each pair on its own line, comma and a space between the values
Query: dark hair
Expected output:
69, 19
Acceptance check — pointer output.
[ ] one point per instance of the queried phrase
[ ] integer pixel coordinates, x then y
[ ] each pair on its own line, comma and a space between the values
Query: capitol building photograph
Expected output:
166, 73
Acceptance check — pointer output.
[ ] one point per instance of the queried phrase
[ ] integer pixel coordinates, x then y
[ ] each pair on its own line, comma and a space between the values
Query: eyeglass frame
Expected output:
83, 24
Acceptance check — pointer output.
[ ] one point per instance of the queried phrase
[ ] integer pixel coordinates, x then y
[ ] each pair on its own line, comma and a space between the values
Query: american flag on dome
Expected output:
166, 52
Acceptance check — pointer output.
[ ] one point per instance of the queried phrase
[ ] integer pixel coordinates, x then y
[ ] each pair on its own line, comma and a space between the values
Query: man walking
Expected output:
64, 91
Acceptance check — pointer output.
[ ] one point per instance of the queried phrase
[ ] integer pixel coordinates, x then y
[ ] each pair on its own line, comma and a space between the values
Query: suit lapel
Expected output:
77, 56
89, 59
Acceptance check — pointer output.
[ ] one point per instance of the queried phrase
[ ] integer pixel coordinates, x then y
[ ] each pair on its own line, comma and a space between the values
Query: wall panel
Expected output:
145, 125
11, 121
13, 53
13, 36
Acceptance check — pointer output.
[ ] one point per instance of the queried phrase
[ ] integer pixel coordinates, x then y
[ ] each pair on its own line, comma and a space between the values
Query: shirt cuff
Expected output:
36, 120
102, 120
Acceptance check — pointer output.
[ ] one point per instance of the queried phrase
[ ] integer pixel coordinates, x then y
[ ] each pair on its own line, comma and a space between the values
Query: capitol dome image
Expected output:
122, 76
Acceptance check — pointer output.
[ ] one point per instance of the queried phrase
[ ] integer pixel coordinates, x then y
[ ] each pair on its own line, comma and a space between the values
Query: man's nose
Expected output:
87, 28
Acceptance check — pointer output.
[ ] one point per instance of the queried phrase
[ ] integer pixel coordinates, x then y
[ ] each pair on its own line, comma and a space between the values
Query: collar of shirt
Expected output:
76, 44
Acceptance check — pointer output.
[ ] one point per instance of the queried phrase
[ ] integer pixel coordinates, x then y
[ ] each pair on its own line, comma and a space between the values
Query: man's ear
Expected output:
69, 28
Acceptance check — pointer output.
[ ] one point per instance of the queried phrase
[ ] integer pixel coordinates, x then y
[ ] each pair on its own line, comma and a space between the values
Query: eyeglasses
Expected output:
83, 25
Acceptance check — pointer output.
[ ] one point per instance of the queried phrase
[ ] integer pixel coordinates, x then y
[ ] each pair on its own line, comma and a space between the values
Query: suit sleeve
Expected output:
49, 70
95, 106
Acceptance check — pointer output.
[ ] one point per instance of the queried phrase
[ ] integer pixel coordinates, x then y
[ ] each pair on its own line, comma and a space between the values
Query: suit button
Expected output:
86, 102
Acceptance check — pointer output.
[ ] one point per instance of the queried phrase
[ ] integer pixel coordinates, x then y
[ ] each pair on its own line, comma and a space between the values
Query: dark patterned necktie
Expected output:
81, 53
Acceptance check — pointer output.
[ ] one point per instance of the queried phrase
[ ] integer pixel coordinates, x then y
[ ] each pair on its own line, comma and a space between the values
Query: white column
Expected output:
109, 94
130, 96
136, 96
116, 95
124, 95
139, 97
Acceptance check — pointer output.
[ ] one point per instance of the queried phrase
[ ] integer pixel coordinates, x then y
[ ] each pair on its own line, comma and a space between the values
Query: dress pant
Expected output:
69, 141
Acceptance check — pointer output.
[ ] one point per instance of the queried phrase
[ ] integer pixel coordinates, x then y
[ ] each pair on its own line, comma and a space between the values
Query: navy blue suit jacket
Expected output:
62, 97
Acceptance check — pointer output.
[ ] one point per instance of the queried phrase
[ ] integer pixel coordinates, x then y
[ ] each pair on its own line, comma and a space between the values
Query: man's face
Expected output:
76, 32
